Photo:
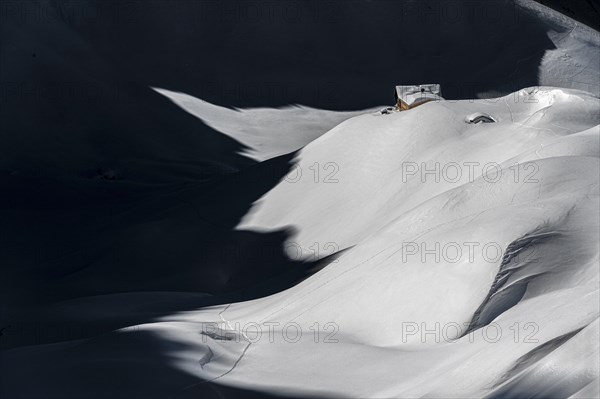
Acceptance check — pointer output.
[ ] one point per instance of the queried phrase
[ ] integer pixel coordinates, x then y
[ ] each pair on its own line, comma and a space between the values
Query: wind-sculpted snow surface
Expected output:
471, 269
466, 265
265, 132
573, 63
391, 164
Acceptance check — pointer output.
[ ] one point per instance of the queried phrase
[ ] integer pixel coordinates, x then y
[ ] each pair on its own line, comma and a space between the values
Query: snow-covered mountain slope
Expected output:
451, 286
265, 132
386, 159
504, 265
570, 64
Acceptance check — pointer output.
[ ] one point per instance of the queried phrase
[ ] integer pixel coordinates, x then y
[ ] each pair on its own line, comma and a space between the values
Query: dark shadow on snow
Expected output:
504, 293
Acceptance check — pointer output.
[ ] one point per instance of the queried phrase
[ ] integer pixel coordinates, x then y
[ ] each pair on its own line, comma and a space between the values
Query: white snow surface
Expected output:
270, 132
265, 132
392, 311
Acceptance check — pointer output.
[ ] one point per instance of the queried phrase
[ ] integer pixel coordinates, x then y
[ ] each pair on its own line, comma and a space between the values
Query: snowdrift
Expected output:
264, 132
520, 307
470, 270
